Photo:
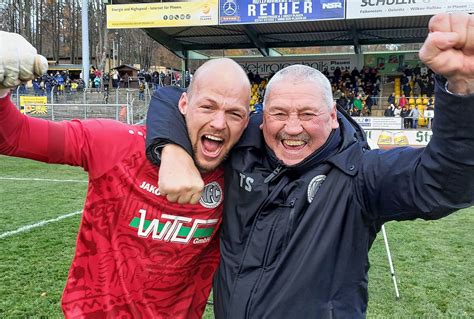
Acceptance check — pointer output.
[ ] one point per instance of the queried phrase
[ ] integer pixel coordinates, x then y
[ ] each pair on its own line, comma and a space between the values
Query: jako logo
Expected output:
170, 228
332, 5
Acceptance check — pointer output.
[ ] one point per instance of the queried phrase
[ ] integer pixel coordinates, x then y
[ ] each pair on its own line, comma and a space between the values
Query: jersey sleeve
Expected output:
95, 145
165, 124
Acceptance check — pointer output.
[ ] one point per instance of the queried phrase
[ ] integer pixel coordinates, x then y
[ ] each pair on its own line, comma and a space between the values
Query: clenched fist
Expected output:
449, 50
19, 60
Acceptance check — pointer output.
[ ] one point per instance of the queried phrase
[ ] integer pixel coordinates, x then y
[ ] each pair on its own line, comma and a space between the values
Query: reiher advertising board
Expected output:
271, 11
363, 9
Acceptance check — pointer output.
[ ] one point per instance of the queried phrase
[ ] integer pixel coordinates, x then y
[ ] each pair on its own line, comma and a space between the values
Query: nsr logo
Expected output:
332, 5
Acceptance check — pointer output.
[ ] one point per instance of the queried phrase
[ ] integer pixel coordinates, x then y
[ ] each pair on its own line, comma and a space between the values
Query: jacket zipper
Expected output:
262, 271
274, 174
269, 198
331, 310
291, 205
291, 221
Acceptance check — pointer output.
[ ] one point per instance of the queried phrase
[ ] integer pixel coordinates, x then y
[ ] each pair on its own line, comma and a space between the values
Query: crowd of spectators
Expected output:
413, 92
58, 83
355, 91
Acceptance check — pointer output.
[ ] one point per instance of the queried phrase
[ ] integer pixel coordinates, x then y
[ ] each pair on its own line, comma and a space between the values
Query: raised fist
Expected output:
19, 60
449, 50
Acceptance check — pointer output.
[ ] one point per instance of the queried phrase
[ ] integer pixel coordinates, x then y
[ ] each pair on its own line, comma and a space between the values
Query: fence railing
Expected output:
126, 105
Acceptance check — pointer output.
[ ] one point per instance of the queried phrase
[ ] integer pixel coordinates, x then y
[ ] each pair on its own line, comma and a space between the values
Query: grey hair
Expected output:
299, 73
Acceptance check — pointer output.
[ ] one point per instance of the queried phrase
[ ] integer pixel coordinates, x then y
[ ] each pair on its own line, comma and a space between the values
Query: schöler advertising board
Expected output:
271, 11
362, 9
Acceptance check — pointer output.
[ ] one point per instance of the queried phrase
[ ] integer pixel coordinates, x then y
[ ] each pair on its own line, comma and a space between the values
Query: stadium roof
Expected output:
356, 32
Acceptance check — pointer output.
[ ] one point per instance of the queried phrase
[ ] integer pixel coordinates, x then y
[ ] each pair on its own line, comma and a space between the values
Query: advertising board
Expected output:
162, 14
363, 9
272, 11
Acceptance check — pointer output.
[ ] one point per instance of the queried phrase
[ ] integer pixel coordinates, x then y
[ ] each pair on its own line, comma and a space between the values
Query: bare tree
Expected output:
54, 28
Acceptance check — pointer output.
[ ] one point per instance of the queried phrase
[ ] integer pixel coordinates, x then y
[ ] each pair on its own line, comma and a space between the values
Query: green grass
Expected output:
433, 260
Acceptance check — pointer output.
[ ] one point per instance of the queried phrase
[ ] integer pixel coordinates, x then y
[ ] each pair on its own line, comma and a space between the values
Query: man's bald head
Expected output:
216, 109
219, 70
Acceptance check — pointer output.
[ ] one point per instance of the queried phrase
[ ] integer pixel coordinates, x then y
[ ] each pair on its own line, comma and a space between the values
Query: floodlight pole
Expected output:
85, 44
389, 256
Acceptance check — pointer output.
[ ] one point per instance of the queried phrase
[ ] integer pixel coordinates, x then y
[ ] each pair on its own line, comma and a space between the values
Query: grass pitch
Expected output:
434, 261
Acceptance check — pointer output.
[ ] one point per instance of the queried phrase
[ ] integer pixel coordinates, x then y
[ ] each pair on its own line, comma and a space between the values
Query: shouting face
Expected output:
216, 110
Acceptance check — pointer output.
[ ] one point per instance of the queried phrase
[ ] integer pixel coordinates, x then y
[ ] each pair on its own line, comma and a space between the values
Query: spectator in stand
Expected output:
115, 79
430, 87
147, 78
365, 111
402, 101
406, 89
141, 90
403, 80
326, 72
187, 78
155, 80
430, 105
97, 83
417, 70
355, 74
126, 79
416, 87
404, 114
408, 72
167, 79
391, 98
257, 79
337, 74
251, 76
358, 105
346, 74
389, 111
414, 115
37, 88
397, 111
106, 80
369, 102
423, 84
343, 102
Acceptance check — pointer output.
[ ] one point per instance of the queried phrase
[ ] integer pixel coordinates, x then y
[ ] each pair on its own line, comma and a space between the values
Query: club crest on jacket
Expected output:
314, 185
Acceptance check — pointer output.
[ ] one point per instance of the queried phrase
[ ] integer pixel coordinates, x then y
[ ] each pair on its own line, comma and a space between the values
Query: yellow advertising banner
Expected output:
34, 104
163, 14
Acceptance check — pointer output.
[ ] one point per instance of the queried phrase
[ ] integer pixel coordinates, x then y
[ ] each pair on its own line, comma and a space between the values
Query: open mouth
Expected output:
293, 145
211, 145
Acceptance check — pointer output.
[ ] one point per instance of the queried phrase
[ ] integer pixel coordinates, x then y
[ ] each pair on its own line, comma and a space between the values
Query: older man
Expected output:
137, 255
305, 199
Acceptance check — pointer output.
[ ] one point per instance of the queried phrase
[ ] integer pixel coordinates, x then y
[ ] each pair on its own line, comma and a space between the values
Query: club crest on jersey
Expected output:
314, 186
211, 195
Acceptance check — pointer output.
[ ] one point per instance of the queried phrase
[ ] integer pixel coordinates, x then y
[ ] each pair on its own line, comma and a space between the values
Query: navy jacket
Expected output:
295, 240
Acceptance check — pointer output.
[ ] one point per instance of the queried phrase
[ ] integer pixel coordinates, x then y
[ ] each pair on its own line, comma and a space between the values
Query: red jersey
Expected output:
137, 255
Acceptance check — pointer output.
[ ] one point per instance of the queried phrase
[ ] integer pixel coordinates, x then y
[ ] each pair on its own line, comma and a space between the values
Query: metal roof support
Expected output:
167, 41
355, 38
253, 36
184, 68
